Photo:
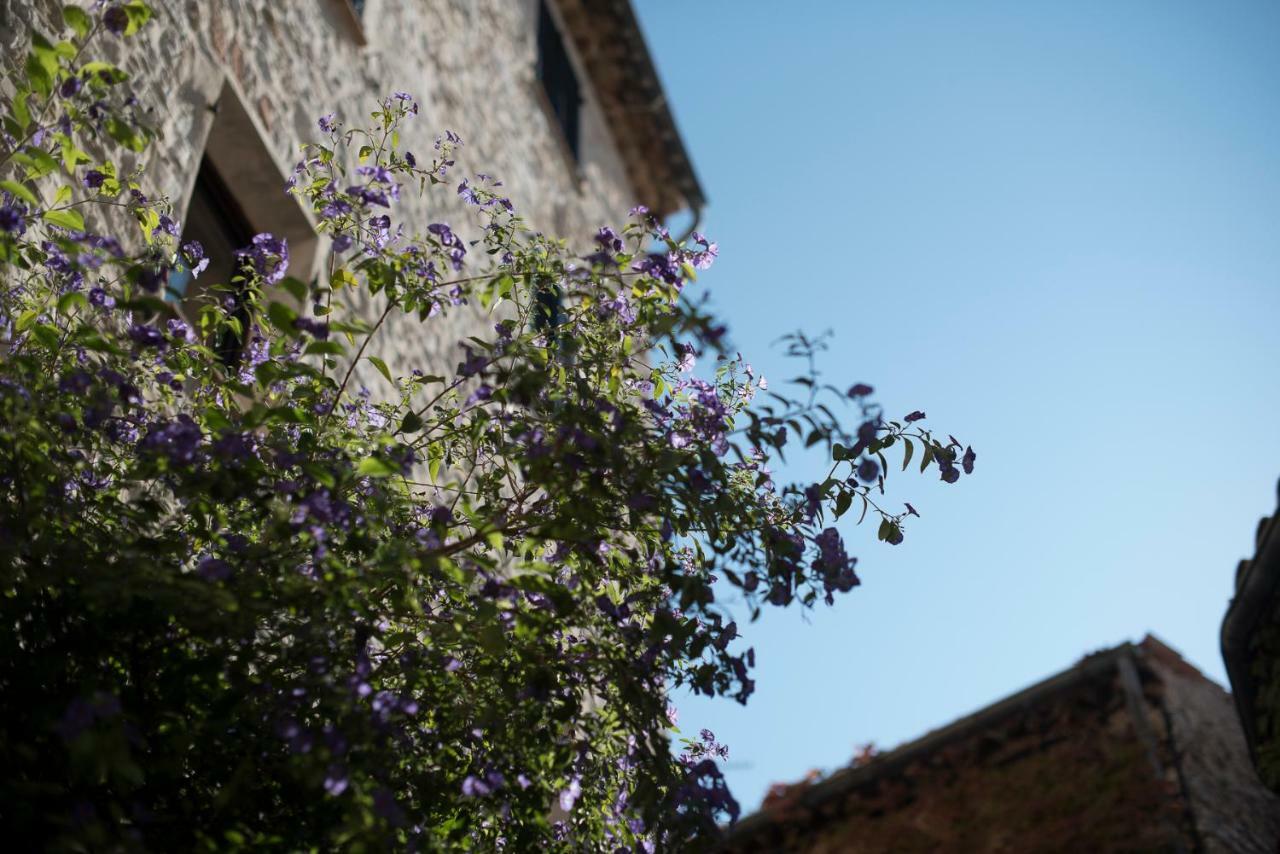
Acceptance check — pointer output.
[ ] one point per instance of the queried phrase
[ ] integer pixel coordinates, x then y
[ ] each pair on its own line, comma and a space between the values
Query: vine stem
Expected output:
391, 303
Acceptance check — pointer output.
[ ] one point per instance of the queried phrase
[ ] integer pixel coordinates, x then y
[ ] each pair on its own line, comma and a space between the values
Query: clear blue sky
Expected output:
1055, 228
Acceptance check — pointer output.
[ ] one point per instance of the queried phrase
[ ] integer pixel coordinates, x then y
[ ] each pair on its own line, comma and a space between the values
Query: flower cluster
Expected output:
264, 589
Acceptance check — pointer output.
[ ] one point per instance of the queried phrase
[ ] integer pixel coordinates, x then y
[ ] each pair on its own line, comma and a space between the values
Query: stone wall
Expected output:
1233, 812
470, 63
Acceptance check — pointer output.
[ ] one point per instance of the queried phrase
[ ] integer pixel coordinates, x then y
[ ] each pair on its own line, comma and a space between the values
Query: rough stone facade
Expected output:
1131, 750
247, 79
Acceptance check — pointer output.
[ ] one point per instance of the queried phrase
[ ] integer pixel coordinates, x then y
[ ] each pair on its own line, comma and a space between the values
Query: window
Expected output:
358, 7
237, 176
215, 221
558, 78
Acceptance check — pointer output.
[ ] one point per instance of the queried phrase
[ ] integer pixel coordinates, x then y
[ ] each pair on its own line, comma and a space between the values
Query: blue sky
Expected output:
1054, 228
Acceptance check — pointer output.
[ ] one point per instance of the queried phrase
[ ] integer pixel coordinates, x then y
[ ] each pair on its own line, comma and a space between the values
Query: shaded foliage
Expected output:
248, 603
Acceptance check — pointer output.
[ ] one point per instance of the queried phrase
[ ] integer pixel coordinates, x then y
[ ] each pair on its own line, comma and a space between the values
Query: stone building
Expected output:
1251, 649
558, 98
1133, 749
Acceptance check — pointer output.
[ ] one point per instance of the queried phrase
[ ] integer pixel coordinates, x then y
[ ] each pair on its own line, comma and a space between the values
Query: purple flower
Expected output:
12, 219
179, 329
70, 87
193, 254
914, 416
467, 193
93, 179
336, 780
100, 298
660, 266
912, 510
146, 335
868, 470
860, 390
151, 279
967, 461
116, 20
268, 257
703, 259
376, 174
342, 243
328, 122
687, 357
178, 439
213, 569
475, 787
317, 328
570, 794
608, 239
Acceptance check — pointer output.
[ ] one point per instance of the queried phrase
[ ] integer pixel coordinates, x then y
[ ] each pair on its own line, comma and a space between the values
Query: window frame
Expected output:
560, 85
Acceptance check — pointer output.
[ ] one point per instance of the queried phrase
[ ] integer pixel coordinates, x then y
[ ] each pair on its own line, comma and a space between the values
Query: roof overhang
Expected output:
607, 37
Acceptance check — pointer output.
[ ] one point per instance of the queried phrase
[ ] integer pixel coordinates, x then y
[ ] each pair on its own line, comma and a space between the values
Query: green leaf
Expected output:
328, 348
104, 70
26, 319
492, 639
21, 192
139, 13
375, 467
382, 367
21, 116
41, 162
282, 317
412, 423
843, 502
70, 301
125, 135
48, 335
296, 289
65, 218
906, 454
76, 19
39, 77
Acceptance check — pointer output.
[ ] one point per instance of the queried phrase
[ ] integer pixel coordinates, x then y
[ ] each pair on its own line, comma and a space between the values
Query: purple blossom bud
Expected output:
914, 416
860, 390
570, 794
336, 780
12, 219
116, 20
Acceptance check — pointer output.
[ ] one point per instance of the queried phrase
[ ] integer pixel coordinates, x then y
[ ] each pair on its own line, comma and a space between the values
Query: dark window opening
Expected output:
558, 78
548, 306
358, 7
216, 221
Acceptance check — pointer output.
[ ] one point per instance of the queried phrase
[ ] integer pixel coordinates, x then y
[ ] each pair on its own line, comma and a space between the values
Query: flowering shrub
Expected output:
248, 604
